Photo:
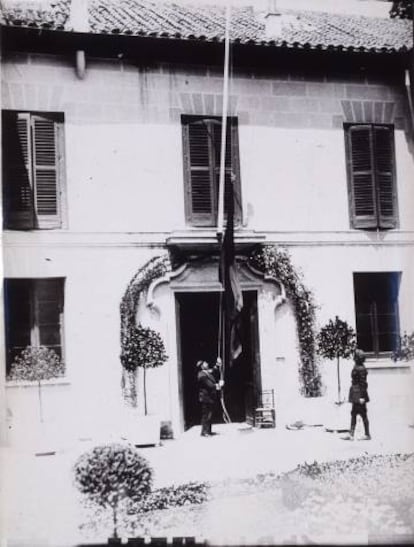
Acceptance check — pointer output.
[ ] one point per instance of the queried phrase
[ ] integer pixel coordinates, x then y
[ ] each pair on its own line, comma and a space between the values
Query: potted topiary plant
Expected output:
336, 340
112, 475
37, 364
144, 348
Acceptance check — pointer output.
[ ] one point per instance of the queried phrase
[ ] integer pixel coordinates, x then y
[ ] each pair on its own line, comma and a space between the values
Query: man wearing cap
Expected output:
208, 390
358, 394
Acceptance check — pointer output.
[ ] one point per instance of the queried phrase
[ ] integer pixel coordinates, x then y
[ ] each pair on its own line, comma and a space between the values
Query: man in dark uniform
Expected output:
358, 394
208, 390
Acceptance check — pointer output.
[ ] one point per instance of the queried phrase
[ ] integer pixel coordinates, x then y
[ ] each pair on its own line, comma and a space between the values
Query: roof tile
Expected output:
53, 15
164, 19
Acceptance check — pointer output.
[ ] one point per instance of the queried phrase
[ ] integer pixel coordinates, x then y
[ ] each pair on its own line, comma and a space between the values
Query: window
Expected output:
376, 306
202, 144
34, 315
371, 176
32, 170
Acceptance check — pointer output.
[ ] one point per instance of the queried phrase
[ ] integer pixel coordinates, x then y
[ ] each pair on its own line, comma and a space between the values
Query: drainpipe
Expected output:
79, 22
3, 404
80, 64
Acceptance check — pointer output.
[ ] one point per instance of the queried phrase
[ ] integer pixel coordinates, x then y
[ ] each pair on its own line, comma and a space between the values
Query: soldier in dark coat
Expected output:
358, 394
208, 390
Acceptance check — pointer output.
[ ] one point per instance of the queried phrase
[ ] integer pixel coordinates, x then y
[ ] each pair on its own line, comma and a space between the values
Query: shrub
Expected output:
174, 496
36, 364
112, 474
335, 340
142, 347
405, 349
131, 354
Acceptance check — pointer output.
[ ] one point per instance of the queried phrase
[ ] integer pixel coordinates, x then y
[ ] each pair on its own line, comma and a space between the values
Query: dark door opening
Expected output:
198, 319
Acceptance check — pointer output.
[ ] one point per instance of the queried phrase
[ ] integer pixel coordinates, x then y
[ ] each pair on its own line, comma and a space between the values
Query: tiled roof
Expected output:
51, 15
299, 29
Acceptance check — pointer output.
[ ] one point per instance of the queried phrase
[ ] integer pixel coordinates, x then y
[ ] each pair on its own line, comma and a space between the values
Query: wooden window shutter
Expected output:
202, 147
200, 174
45, 171
234, 132
228, 162
18, 202
385, 176
361, 171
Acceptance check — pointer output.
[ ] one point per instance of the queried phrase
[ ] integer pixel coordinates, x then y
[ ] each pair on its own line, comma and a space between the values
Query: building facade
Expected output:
110, 139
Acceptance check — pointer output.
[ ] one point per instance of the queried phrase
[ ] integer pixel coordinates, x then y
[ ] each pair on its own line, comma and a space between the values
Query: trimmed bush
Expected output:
191, 493
112, 474
335, 340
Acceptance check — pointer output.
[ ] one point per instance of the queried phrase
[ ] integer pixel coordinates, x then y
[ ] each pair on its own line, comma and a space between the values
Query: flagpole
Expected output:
220, 208
220, 211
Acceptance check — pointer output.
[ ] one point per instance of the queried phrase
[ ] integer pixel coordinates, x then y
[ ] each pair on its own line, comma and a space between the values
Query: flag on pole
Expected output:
233, 298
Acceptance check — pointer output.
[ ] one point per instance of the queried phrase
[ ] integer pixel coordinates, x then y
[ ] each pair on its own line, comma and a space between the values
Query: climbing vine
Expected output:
155, 268
277, 263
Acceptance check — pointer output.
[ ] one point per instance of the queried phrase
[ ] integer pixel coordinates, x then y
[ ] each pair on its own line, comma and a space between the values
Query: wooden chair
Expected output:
265, 413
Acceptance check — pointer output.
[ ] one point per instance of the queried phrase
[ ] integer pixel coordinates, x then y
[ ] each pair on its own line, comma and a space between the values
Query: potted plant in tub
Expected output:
336, 340
144, 348
37, 364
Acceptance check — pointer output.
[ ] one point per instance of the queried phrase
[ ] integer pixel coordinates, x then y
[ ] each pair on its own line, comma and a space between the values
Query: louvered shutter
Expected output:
234, 133
228, 162
45, 171
362, 177
202, 146
200, 177
385, 184
17, 174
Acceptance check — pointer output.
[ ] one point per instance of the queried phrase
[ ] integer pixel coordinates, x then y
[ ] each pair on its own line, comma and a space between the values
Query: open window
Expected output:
34, 315
376, 307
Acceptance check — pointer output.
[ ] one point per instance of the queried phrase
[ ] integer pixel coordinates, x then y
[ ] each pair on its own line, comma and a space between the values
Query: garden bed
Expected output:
366, 498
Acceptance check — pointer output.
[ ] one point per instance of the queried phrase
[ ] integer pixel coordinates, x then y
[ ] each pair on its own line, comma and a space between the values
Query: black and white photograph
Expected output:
207, 261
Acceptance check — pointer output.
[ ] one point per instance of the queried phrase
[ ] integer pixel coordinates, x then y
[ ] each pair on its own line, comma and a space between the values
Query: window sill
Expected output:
52, 382
386, 362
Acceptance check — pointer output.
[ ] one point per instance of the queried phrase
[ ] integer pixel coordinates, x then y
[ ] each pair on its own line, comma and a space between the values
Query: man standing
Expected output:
358, 394
208, 390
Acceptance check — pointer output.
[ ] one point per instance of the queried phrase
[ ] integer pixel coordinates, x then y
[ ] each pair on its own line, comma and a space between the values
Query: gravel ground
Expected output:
353, 501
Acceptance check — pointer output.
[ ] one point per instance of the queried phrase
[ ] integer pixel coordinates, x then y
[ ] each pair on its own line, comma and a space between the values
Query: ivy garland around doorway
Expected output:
155, 268
277, 263
268, 259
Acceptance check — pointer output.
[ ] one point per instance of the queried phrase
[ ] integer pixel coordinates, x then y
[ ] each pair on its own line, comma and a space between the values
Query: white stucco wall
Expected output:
124, 177
123, 141
125, 195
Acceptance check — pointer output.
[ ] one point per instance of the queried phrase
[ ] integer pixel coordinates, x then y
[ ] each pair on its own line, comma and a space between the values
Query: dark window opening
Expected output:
376, 306
34, 315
